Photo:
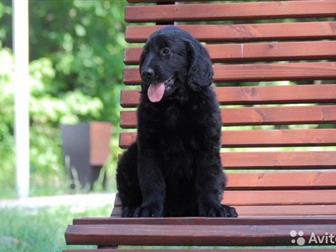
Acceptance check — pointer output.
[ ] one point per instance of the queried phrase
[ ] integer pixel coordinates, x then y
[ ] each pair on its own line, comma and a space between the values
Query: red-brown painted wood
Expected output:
279, 160
258, 95
258, 51
244, 32
263, 138
279, 180
276, 197
259, 72
196, 235
208, 221
231, 11
260, 116
280, 197
275, 211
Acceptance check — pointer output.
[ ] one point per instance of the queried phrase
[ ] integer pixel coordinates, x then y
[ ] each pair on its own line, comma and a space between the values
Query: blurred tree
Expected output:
84, 42
76, 50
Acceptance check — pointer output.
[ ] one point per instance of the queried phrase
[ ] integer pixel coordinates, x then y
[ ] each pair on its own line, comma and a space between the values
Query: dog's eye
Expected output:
165, 51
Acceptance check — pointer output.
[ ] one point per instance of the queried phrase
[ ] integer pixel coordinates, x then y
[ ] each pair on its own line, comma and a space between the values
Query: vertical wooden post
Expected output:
21, 82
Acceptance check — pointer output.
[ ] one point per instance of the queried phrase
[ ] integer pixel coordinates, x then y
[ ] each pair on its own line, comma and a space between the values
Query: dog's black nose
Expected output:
148, 74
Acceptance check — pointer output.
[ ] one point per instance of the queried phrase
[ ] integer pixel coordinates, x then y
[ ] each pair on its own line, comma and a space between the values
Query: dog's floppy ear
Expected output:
200, 70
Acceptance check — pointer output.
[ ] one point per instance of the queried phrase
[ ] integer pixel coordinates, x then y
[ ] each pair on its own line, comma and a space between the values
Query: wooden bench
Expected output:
268, 74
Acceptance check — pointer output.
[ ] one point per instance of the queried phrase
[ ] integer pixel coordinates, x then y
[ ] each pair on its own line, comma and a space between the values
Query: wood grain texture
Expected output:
244, 32
255, 220
231, 11
258, 95
196, 235
260, 116
258, 51
296, 211
259, 72
263, 138
279, 197
279, 160
279, 180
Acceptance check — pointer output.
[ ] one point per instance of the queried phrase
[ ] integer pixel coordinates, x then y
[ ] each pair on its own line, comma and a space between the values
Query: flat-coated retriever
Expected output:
174, 168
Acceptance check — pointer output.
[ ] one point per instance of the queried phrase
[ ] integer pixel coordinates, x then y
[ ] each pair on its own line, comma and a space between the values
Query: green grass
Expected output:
39, 231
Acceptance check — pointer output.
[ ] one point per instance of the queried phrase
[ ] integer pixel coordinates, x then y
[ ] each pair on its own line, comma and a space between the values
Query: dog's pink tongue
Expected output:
156, 92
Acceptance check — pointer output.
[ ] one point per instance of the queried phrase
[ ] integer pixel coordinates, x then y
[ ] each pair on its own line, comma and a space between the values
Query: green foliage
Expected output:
76, 66
39, 231
7, 121
84, 42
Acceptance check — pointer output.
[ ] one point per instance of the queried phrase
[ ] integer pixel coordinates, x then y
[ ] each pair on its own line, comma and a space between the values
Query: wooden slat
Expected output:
278, 210
260, 116
258, 95
279, 180
267, 220
190, 234
259, 72
231, 11
279, 197
279, 160
264, 138
278, 115
244, 32
258, 51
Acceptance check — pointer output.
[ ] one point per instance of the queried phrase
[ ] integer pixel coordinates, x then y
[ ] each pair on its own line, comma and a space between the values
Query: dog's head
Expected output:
173, 60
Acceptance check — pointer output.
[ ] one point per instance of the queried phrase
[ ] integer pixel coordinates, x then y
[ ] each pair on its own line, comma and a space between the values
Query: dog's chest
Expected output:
179, 142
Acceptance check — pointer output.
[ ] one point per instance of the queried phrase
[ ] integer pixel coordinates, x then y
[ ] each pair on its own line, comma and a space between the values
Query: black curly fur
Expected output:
174, 168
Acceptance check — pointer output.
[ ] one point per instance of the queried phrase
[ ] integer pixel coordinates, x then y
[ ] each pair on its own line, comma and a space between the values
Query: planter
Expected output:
86, 149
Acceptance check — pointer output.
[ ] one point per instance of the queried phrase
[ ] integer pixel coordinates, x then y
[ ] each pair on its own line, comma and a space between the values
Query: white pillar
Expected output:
21, 82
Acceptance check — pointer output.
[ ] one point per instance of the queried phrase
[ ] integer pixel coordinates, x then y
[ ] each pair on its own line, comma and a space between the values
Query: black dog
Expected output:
174, 168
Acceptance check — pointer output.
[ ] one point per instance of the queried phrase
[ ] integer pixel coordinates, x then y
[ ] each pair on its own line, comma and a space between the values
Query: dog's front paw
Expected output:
128, 212
230, 211
217, 210
148, 211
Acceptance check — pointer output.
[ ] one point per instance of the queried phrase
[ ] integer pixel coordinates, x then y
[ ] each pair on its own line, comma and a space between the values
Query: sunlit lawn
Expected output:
39, 231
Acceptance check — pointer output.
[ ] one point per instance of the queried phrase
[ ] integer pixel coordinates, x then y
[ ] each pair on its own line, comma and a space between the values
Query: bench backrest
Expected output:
274, 75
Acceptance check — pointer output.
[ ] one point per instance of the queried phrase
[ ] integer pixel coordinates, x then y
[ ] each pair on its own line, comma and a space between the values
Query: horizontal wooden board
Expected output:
260, 116
258, 51
259, 72
278, 115
258, 95
275, 211
231, 11
196, 235
279, 180
279, 160
267, 220
244, 32
263, 138
278, 197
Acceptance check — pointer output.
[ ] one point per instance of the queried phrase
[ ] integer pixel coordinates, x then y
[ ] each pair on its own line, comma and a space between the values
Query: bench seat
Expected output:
275, 80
